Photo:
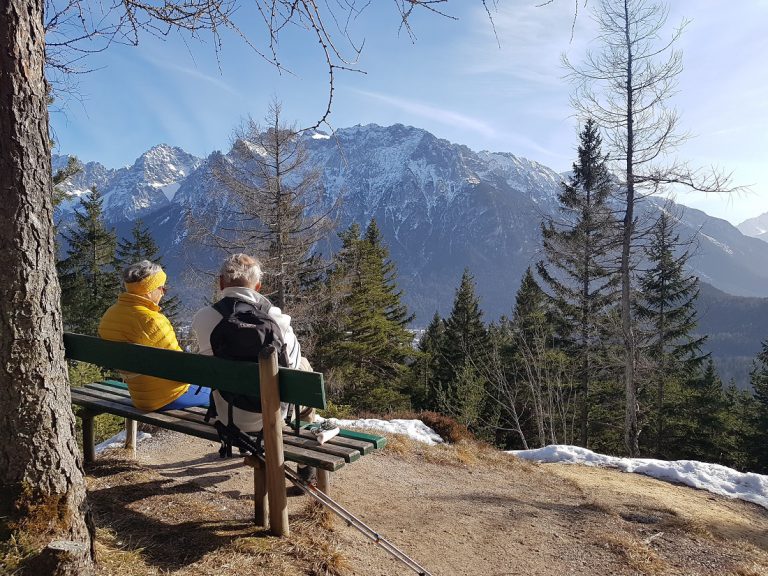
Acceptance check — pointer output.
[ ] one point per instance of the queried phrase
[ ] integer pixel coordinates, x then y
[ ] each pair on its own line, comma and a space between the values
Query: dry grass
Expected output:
444, 426
466, 453
148, 524
751, 569
638, 555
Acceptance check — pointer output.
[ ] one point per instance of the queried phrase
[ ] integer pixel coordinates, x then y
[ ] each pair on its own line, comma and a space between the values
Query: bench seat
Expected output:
112, 397
264, 378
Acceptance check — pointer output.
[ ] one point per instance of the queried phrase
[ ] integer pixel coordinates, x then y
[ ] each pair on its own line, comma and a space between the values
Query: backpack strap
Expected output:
226, 306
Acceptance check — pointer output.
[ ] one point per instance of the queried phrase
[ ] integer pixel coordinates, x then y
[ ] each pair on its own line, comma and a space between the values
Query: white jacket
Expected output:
203, 323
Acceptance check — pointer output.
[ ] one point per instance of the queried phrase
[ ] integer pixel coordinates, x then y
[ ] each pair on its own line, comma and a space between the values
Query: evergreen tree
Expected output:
89, 279
576, 270
365, 341
736, 434
704, 419
759, 413
140, 245
462, 351
540, 367
61, 176
667, 306
426, 368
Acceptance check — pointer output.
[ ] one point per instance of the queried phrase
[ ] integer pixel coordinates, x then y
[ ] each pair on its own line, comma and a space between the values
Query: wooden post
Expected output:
260, 499
130, 435
323, 481
89, 448
273, 442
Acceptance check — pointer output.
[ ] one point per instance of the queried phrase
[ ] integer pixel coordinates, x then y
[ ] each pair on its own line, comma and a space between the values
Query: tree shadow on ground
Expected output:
173, 524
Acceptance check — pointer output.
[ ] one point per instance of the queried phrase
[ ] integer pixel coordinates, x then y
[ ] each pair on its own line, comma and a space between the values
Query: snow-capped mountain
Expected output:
440, 206
135, 191
756, 227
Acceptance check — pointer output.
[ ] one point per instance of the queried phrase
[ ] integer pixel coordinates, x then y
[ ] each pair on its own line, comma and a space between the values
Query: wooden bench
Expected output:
276, 384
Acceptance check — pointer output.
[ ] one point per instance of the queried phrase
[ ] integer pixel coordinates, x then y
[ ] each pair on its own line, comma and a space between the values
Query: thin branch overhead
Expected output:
76, 29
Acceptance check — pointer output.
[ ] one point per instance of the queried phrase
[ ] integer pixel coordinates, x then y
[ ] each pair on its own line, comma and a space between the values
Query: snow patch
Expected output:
320, 136
711, 477
724, 247
118, 441
414, 429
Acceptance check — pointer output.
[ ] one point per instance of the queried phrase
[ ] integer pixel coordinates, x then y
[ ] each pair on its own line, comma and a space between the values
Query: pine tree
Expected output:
704, 413
576, 270
540, 366
427, 367
140, 245
89, 280
667, 306
759, 414
463, 348
365, 340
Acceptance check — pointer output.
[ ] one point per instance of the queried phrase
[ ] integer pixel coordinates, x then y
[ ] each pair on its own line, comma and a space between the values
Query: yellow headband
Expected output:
147, 285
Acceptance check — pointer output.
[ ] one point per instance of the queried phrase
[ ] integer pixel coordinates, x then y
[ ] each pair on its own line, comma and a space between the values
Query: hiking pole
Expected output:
355, 522
253, 445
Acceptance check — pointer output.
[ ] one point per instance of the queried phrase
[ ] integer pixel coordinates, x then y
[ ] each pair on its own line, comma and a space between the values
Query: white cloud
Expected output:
428, 112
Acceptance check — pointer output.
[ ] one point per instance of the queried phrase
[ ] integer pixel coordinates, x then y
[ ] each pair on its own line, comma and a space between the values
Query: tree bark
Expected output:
42, 490
631, 429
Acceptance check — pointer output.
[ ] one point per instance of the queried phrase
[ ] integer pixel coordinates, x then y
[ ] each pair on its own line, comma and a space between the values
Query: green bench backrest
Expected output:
296, 386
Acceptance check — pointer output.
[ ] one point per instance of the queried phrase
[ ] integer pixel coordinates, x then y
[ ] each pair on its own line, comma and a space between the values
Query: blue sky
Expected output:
453, 80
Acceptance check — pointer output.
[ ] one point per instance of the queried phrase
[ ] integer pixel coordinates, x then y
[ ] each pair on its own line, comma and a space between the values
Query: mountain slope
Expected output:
756, 227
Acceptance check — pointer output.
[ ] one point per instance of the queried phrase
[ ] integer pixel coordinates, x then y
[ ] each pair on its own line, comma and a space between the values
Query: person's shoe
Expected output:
307, 474
294, 491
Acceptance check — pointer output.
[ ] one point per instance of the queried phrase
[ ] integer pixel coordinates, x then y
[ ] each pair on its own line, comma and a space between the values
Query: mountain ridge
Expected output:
440, 207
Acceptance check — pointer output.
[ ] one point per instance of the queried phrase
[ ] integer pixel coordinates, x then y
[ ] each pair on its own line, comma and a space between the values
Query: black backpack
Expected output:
243, 331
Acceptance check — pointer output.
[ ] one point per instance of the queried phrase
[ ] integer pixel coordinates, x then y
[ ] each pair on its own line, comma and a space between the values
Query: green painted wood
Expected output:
349, 454
115, 384
312, 458
360, 445
156, 418
99, 401
378, 441
187, 415
296, 386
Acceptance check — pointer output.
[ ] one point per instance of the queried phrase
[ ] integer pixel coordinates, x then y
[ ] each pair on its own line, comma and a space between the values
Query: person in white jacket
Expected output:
240, 278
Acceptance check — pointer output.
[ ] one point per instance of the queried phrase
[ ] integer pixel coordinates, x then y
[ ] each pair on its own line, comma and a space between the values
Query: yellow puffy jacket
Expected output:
138, 320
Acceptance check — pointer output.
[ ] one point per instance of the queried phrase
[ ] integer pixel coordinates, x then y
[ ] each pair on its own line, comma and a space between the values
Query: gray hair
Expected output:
137, 272
240, 270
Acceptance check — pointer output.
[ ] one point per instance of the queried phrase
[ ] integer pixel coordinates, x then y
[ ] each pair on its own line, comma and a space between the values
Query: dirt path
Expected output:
468, 511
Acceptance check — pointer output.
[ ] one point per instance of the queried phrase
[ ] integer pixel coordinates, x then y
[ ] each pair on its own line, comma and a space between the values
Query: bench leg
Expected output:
324, 481
260, 499
89, 447
130, 435
273, 442
324, 485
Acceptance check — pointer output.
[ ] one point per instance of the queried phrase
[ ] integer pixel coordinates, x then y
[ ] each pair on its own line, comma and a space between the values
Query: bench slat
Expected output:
363, 447
186, 415
192, 424
349, 449
296, 386
346, 440
100, 405
107, 387
378, 442
349, 454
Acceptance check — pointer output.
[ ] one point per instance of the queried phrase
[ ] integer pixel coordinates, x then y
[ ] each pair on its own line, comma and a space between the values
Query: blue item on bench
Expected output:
194, 396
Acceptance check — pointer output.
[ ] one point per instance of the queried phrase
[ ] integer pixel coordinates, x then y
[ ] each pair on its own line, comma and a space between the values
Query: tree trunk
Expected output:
42, 491
631, 430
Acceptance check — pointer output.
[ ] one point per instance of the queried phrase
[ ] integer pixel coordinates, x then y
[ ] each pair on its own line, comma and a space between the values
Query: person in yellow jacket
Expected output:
136, 318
